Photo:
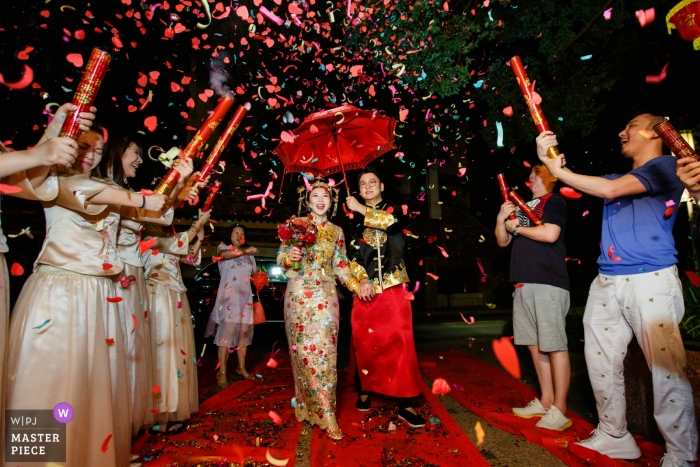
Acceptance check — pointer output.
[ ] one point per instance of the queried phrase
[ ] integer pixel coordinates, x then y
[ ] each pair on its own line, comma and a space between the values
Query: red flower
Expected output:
306, 361
312, 347
342, 265
320, 306
284, 233
313, 371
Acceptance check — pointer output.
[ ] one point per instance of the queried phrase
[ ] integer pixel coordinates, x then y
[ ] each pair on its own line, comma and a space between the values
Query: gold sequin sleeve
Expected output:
282, 255
358, 272
341, 267
378, 219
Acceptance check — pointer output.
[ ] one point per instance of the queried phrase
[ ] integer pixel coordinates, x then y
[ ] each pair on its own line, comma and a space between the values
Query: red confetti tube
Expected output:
85, 95
210, 197
675, 141
195, 145
504, 191
535, 110
524, 207
223, 141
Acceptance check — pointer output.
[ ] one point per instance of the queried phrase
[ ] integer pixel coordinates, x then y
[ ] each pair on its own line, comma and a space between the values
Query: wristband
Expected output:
143, 202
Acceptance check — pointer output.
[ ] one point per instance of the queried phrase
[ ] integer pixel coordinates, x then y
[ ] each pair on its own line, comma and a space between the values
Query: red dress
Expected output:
382, 339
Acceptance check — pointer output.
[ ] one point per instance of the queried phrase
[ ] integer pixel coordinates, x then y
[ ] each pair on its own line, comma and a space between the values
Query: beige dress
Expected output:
66, 342
175, 361
47, 191
137, 331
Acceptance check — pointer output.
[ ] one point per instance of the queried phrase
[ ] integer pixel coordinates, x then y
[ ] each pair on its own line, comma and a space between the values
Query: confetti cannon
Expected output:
532, 100
195, 145
84, 96
524, 207
210, 197
504, 192
215, 154
670, 136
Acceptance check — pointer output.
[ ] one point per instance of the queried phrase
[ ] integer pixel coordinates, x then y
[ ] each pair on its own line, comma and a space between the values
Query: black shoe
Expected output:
363, 406
416, 421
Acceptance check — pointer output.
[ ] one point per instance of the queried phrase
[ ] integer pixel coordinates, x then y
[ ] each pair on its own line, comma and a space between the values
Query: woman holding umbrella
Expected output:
311, 312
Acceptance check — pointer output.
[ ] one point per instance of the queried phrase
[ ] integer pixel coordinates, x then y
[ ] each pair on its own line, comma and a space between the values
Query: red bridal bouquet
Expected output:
301, 231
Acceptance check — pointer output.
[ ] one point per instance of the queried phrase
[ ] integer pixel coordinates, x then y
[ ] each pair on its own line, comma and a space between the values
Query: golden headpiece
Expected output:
317, 183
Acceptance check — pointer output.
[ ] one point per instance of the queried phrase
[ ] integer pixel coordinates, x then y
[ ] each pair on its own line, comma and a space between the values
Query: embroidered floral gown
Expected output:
311, 317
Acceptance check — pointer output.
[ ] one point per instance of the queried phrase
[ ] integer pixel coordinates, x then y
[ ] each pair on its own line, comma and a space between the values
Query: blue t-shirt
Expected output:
636, 227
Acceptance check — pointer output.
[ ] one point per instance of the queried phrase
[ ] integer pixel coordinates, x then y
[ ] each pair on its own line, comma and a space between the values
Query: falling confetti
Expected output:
480, 435
505, 353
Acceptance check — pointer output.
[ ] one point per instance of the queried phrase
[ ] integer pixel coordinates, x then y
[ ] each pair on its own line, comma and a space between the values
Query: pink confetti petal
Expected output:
656, 79
441, 387
506, 355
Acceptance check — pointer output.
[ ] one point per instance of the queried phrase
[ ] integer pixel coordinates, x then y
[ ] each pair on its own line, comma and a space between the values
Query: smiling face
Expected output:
371, 188
131, 160
638, 137
238, 237
319, 201
90, 149
541, 181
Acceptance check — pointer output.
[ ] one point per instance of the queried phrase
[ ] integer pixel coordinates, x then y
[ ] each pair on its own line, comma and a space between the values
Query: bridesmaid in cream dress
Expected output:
31, 173
175, 362
65, 341
124, 156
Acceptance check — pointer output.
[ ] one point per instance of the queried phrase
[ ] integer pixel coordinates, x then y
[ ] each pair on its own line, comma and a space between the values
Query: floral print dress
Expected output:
311, 317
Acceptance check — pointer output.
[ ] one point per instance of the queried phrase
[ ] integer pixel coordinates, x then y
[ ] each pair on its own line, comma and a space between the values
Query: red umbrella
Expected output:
334, 140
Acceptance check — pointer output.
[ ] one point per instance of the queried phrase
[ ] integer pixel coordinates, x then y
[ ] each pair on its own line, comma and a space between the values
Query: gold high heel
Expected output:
244, 373
334, 434
224, 383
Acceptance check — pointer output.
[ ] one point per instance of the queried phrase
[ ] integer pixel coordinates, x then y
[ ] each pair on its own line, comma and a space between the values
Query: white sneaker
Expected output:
554, 420
615, 448
533, 409
669, 460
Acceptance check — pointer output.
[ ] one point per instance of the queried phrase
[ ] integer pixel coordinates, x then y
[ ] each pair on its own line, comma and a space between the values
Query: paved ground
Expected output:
442, 332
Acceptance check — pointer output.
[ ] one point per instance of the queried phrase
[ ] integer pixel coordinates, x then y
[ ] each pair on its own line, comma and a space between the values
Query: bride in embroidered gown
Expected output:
311, 312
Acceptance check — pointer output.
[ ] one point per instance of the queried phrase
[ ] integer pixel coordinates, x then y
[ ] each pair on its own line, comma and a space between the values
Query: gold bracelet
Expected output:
287, 263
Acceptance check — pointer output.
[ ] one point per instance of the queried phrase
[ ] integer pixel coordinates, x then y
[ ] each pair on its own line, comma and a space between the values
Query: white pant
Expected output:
650, 305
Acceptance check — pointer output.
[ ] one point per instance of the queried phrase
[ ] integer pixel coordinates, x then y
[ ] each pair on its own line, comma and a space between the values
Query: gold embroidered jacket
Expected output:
376, 248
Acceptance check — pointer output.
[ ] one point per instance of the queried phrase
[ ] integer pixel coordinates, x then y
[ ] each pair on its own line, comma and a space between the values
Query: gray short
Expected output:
539, 316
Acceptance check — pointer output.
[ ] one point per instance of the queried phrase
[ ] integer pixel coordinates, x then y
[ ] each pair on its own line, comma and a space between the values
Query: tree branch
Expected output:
588, 26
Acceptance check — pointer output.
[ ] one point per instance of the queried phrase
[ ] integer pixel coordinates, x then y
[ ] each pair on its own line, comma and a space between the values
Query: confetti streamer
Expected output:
274, 461
26, 80
42, 325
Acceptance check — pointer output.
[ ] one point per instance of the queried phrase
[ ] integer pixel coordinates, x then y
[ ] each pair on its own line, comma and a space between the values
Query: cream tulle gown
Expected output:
136, 317
172, 334
66, 342
46, 192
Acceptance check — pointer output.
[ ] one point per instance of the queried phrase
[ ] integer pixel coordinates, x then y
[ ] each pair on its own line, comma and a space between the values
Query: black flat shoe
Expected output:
363, 406
416, 421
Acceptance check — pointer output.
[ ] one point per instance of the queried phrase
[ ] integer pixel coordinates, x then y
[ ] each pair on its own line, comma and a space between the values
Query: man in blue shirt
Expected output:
637, 293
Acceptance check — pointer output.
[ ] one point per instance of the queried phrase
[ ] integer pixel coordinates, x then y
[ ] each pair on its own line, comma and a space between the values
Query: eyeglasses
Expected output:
369, 184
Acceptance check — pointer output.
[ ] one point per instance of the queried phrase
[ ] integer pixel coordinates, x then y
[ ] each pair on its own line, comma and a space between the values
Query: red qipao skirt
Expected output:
382, 339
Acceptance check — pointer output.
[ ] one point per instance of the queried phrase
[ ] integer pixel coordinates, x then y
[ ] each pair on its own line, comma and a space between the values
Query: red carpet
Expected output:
490, 394
230, 423
368, 442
